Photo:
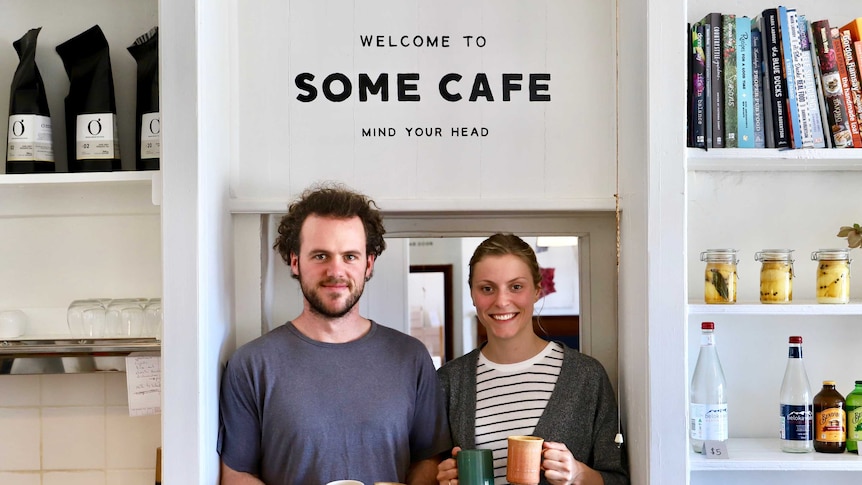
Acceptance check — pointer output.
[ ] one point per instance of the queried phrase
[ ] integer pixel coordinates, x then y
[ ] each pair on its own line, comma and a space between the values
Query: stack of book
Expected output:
774, 81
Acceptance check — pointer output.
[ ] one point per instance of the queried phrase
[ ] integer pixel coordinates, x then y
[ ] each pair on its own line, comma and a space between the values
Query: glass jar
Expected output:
833, 275
720, 276
776, 275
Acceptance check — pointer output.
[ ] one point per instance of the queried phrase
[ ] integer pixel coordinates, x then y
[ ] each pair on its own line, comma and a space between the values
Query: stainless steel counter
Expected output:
52, 355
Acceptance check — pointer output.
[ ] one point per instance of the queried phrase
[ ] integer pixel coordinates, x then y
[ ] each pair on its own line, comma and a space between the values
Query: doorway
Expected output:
431, 310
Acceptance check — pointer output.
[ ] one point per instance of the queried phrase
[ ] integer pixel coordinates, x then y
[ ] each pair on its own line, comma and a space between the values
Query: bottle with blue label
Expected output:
797, 412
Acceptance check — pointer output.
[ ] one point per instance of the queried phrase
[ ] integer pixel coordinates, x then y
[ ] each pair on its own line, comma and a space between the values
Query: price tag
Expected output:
715, 450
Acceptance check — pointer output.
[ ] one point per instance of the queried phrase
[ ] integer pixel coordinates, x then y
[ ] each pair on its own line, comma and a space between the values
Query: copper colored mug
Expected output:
524, 460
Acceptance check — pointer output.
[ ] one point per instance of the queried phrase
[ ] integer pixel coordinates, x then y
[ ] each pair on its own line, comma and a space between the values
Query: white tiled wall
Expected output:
73, 429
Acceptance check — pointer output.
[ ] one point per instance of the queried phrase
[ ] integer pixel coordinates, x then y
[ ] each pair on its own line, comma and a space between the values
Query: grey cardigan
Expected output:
582, 411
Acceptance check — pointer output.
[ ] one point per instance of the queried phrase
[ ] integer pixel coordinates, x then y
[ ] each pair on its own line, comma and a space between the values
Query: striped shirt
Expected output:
510, 399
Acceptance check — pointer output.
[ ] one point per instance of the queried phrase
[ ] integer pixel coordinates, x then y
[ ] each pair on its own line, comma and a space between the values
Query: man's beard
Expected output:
318, 305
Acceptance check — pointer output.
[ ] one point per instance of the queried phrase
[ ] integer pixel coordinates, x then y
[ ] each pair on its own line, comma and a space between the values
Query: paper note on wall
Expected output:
144, 383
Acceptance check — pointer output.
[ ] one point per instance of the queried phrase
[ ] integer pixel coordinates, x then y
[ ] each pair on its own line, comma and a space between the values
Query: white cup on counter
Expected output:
13, 324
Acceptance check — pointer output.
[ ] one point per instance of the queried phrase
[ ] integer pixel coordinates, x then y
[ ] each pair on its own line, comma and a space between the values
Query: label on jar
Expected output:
708, 421
830, 425
29, 139
796, 422
96, 136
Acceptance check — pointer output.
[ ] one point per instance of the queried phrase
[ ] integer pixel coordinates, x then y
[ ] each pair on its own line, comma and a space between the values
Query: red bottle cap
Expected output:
796, 339
707, 326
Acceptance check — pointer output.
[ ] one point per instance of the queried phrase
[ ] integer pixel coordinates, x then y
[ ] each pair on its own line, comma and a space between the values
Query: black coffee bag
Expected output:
92, 140
148, 126
29, 148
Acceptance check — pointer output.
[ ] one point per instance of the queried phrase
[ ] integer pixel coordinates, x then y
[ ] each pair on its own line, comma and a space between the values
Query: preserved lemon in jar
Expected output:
833, 275
720, 277
776, 275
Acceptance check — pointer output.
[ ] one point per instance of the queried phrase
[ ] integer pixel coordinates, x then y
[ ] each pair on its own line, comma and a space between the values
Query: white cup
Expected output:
346, 482
13, 323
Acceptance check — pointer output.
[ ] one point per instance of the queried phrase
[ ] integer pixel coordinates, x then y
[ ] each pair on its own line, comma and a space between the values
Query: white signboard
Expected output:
432, 97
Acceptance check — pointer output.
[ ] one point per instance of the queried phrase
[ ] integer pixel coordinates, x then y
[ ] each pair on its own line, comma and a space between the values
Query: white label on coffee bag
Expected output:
29, 139
97, 136
151, 135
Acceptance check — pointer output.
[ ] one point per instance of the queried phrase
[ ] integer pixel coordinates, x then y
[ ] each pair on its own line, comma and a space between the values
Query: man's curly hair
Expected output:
330, 200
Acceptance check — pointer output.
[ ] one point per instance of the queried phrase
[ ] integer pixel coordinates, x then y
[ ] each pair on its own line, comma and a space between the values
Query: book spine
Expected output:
728, 37
845, 86
775, 79
757, 87
698, 89
707, 76
804, 106
850, 61
830, 79
744, 89
716, 79
813, 92
786, 27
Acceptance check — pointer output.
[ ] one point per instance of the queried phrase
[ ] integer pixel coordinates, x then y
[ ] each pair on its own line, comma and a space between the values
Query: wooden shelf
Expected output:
753, 454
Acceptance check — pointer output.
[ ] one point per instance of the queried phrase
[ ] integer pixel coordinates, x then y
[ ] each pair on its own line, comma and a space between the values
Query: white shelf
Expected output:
773, 160
125, 176
756, 308
81, 193
765, 454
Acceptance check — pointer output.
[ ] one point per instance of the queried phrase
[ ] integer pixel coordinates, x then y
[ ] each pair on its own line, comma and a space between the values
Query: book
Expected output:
852, 66
728, 50
833, 95
789, 48
845, 86
813, 90
744, 90
855, 28
697, 117
757, 86
715, 78
689, 67
775, 100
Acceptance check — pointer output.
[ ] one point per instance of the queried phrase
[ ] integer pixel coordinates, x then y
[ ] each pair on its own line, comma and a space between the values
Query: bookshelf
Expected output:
751, 199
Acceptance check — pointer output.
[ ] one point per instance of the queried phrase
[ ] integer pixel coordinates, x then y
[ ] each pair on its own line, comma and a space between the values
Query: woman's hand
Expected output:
561, 467
447, 470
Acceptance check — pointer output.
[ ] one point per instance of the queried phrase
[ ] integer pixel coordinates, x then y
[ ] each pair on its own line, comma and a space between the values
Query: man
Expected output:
331, 395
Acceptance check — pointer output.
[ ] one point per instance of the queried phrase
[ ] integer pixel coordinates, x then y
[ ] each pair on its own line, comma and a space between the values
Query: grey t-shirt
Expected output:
298, 411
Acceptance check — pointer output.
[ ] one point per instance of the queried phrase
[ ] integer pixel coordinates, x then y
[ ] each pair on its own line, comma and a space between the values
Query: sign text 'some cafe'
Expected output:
381, 87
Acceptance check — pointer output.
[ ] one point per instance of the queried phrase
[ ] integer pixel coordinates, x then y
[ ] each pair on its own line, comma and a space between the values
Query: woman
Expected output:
519, 384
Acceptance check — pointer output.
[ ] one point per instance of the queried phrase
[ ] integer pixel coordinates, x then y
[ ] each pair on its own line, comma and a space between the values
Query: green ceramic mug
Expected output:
475, 467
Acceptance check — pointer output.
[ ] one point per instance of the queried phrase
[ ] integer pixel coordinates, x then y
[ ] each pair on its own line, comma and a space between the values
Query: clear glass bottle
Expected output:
833, 275
854, 418
708, 394
720, 279
796, 409
776, 275
830, 420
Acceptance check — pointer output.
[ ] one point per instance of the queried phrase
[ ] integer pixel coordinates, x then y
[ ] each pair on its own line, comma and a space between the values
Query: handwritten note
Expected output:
144, 383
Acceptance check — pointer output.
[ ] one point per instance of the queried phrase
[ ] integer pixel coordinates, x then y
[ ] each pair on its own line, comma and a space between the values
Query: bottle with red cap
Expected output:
708, 394
796, 408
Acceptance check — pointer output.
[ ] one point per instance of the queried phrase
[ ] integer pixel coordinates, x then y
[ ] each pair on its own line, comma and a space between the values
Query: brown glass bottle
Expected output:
830, 420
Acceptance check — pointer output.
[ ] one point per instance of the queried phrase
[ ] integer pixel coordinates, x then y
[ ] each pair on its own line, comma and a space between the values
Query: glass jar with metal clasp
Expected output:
776, 275
833, 275
720, 278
